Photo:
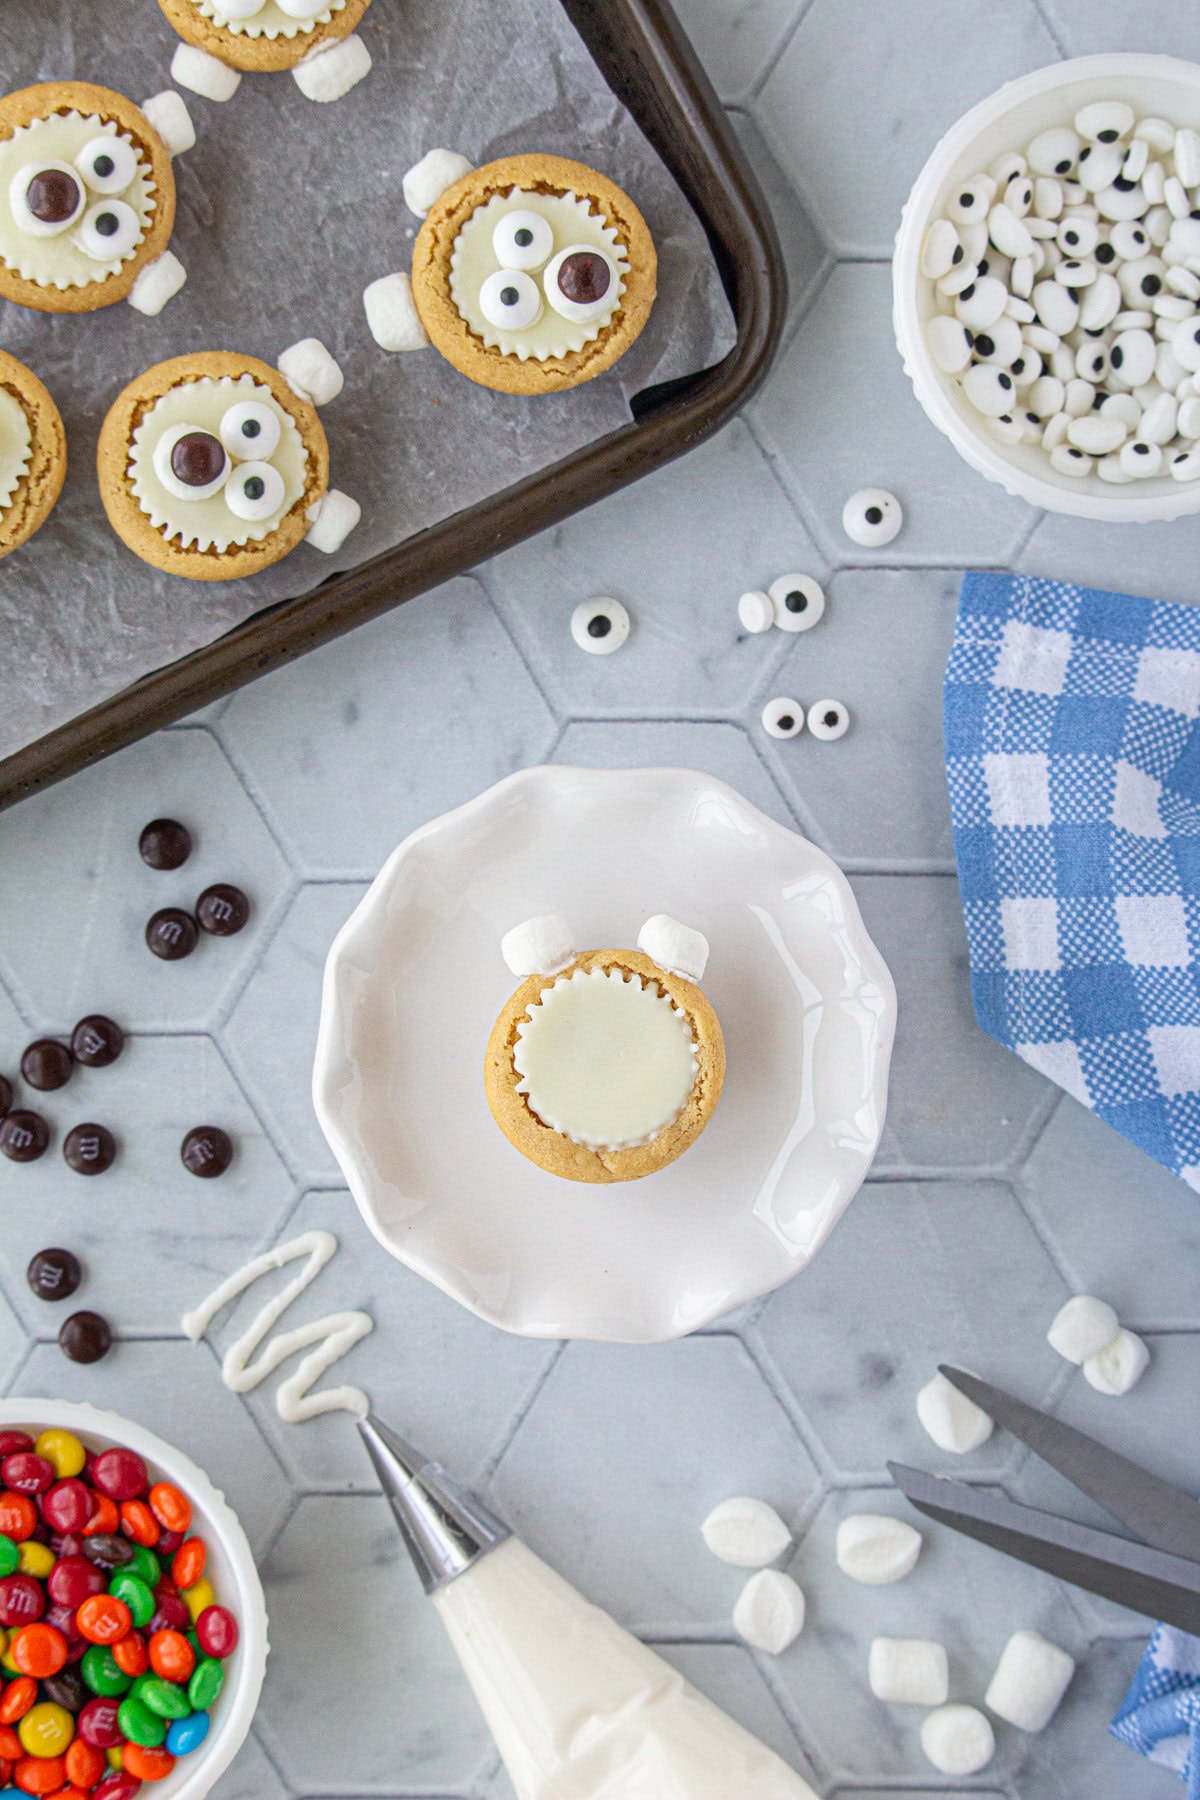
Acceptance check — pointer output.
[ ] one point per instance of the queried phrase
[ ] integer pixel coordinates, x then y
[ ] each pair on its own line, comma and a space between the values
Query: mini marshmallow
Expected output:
909, 1671
392, 315
203, 74
333, 68
958, 1740
331, 520
157, 282
745, 1532
770, 1611
540, 946
755, 611
952, 1421
168, 114
308, 367
1083, 1327
876, 1549
1031, 1678
427, 181
1119, 1366
674, 947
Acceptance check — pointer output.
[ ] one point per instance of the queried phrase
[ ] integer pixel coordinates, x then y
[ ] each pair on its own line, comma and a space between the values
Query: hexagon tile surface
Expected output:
993, 1195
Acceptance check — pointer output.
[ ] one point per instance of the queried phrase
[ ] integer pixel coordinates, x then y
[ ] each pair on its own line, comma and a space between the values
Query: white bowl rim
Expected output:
193, 1776
329, 1050
1122, 504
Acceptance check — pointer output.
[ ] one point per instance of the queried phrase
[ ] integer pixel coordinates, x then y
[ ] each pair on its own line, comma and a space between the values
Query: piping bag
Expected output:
579, 1708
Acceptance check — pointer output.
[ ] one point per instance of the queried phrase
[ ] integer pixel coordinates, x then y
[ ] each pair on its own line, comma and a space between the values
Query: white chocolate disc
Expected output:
16, 445
605, 1058
270, 20
58, 261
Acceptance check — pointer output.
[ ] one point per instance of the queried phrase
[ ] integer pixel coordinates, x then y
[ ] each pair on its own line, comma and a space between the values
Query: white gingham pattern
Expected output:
1073, 757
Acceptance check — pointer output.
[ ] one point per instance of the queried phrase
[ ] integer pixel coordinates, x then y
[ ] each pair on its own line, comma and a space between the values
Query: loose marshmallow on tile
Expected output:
876, 1549
308, 367
427, 181
1119, 1366
770, 1611
203, 74
331, 519
909, 1671
1082, 1327
392, 315
168, 114
674, 947
746, 1532
332, 68
952, 1421
958, 1740
540, 946
1031, 1678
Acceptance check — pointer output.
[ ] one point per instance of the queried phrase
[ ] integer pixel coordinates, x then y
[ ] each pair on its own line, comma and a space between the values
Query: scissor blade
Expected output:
1162, 1515
1147, 1581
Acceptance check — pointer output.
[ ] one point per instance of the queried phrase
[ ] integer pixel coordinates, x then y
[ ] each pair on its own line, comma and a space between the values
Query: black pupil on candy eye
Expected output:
523, 237
874, 515
509, 296
966, 199
1062, 167
107, 224
831, 718
796, 601
254, 487
599, 626
786, 721
103, 167
251, 428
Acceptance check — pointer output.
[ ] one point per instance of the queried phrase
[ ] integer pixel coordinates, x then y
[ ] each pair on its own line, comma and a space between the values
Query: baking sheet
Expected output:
286, 210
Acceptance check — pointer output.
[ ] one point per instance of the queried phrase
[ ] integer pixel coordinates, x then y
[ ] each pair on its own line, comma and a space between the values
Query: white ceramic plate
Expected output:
414, 982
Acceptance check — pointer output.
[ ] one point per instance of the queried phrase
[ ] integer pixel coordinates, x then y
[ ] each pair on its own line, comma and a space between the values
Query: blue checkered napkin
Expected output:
1073, 758
1160, 1715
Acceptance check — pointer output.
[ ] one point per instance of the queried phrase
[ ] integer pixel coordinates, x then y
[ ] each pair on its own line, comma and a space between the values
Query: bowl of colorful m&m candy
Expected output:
133, 1632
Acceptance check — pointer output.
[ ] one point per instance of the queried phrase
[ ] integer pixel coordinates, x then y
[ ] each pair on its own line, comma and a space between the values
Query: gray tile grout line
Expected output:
1052, 31
558, 717
491, 1463
753, 91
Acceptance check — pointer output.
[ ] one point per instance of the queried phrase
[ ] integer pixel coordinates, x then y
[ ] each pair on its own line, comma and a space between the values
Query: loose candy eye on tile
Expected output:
755, 611
600, 626
783, 718
872, 517
797, 602
828, 719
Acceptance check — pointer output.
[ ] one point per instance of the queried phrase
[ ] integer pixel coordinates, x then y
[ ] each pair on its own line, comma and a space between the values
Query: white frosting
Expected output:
58, 261
474, 258
209, 524
605, 1059
333, 1335
16, 445
270, 21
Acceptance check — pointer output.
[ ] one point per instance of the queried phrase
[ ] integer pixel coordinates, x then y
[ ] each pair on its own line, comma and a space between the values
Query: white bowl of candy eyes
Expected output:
1069, 370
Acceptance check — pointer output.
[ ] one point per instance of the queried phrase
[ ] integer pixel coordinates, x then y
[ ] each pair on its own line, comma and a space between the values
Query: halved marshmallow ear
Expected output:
674, 947
539, 946
426, 182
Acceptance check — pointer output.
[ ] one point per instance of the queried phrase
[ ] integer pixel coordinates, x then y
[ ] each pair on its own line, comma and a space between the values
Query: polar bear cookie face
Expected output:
16, 446
269, 18
537, 274
216, 463
77, 198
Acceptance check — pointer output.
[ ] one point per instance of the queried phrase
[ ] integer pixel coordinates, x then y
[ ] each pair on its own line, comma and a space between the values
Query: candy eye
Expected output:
108, 164
783, 718
45, 198
510, 300
798, 602
254, 491
873, 516
190, 462
600, 626
828, 719
109, 231
250, 429
522, 240
581, 283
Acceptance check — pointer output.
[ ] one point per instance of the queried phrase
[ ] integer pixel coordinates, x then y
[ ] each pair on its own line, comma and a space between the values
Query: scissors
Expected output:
1159, 1576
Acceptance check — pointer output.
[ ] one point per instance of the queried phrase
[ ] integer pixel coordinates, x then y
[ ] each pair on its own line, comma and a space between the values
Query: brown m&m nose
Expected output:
53, 196
584, 277
198, 458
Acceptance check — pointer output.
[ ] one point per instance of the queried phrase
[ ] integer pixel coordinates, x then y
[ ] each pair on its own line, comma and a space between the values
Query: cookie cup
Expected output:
134, 527
241, 51
41, 484
491, 367
548, 1148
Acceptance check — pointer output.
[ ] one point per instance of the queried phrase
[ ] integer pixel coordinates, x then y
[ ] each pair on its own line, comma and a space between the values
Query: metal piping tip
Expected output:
444, 1527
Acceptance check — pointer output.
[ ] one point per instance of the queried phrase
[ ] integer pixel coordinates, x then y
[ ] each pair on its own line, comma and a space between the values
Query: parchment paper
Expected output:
286, 210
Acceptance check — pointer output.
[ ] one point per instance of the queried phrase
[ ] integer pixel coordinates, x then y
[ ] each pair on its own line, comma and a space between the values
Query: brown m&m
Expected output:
47, 1064
222, 910
89, 1149
96, 1041
198, 459
165, 844
6, 1095
54, 1274
172, 933
85, 1337
584, 277
24, 1136
207, 1151
53, 196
